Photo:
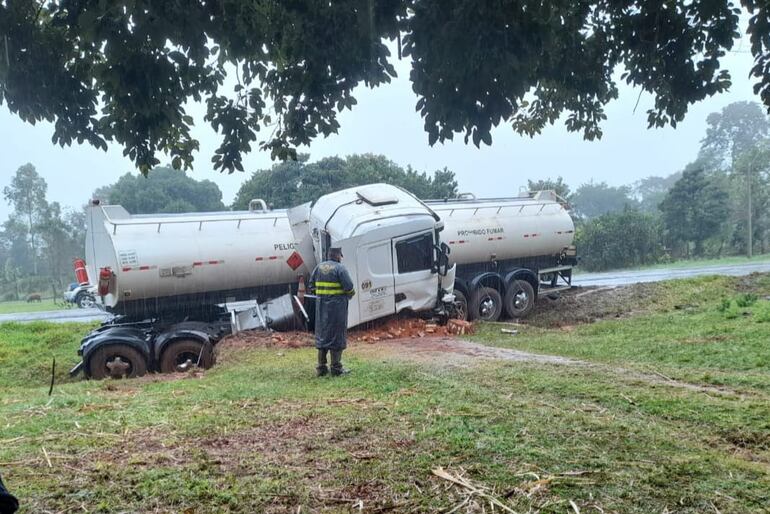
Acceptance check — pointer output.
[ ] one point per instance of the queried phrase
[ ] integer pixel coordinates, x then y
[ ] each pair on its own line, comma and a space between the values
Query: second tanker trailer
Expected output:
508, 251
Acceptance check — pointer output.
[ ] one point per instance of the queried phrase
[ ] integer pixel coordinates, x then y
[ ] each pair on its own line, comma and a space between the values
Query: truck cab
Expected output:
391, 243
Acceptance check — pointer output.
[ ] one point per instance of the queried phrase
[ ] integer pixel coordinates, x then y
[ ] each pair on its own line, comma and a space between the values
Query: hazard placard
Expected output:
294, 261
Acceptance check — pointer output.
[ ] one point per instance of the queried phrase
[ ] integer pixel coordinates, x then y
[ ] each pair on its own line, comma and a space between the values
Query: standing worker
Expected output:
331, 283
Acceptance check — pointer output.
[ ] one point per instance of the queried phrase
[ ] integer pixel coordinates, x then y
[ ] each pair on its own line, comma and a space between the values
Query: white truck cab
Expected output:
391, 246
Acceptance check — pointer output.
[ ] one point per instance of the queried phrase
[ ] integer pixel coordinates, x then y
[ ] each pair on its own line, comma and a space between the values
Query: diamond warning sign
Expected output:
294, 261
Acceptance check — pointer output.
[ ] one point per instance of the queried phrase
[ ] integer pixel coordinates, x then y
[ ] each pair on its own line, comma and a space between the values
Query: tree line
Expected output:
718, 205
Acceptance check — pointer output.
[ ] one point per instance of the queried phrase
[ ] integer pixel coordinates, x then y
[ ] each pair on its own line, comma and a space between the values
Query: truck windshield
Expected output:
415, 253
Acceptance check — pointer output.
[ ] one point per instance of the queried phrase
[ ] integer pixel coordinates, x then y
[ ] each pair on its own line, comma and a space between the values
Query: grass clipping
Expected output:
474, 493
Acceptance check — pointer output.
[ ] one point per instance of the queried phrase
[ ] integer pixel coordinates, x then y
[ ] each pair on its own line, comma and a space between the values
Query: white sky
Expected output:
385, 122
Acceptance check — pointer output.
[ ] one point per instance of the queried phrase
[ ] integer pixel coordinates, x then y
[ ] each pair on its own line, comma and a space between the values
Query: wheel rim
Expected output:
487, 308
520, 300
117, 367
185, 361
87, 302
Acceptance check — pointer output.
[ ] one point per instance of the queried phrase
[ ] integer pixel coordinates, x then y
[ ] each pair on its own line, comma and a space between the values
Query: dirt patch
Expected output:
589, 304
261, 339
326, 459
756, 283
450, 351
402, 327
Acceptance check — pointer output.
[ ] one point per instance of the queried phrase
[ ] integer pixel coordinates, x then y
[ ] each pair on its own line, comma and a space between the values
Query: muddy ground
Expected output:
426, 342
580, 305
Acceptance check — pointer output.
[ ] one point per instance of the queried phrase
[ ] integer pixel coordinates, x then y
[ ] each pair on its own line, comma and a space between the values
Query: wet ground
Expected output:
619, 278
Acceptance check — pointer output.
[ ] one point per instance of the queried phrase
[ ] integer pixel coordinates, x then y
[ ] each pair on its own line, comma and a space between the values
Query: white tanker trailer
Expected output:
177, 283
507, 251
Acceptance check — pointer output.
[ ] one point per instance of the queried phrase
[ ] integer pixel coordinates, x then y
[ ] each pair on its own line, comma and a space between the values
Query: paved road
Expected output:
611, 278
619, 278
62, 316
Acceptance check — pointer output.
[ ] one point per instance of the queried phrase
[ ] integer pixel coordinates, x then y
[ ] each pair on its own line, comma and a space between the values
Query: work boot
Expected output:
322, 369
337, 368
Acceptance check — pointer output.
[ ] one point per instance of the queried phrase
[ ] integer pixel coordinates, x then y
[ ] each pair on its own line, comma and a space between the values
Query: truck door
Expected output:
374, 290
416, 281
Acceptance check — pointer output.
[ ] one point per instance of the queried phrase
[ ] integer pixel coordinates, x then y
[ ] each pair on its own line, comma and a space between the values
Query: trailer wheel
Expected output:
460, 306
116, 361
519, 299
486, 304
185, 354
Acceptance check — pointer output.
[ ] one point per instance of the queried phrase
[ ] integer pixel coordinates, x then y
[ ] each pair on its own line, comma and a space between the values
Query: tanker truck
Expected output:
507, 251
177, 283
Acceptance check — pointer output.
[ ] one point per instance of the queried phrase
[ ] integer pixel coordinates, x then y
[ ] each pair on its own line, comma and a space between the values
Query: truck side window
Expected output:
415, 254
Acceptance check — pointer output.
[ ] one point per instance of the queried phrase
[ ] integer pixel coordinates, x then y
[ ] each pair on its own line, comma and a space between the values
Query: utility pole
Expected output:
750, 238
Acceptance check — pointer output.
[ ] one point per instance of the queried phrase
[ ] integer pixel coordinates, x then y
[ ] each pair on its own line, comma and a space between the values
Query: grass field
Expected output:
45, 305
669, 411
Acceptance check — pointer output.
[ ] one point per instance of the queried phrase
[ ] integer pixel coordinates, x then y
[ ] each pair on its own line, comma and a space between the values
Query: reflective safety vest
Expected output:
328, 288
331, 279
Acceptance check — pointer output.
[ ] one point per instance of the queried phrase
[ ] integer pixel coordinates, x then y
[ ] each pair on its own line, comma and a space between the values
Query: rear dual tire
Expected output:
185, 354
486, 304
519, 299
116, 361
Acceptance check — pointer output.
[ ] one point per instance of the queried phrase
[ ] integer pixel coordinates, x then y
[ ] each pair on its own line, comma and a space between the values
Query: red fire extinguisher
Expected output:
105, 275
80, 271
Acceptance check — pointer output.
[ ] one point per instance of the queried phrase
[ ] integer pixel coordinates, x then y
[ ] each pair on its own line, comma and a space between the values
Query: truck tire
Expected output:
185, 354
519, 299
85, 300
461, 306
486, 304
116, 361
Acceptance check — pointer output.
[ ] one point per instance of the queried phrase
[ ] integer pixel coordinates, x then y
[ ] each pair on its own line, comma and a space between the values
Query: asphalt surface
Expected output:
73, 315
610, 278
621, 278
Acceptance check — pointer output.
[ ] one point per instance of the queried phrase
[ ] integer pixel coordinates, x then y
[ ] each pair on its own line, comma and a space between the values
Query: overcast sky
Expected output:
385, 122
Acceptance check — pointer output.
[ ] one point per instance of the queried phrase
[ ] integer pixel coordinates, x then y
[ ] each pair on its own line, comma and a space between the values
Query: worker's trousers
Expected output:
336, 356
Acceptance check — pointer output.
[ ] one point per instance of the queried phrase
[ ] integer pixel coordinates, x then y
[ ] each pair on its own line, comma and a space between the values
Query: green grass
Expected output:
696, 331
22, 306
691, 263
259, 433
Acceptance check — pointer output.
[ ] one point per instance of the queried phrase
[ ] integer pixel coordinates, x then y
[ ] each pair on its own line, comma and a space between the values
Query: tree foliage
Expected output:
594, 199
752, 165
294, 182
123, 71
164, 190
650, 191
695, 209
558, 186
26, 194
737, 129
38, 240
620, 240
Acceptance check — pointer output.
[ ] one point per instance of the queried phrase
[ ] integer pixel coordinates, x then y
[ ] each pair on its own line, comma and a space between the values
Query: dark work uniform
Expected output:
331, 282
8, 503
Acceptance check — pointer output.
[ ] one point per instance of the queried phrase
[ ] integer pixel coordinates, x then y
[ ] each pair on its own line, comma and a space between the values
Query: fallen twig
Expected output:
47, 458
471, 489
